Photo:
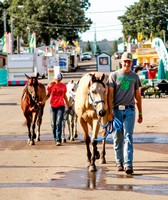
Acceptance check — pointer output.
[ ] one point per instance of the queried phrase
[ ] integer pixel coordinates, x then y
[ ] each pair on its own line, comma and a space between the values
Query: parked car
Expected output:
86, 56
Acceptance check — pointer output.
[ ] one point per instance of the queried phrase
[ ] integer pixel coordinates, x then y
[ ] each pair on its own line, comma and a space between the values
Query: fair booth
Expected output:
103, 62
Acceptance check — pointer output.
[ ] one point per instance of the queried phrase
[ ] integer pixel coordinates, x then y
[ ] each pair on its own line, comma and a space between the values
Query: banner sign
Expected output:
161, 50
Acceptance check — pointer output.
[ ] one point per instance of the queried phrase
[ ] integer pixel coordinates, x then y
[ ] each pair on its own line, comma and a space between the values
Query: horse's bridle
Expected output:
95, 103
36, 104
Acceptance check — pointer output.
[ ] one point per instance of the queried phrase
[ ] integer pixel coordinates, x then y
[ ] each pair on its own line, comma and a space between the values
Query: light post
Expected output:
12, 26
4, 18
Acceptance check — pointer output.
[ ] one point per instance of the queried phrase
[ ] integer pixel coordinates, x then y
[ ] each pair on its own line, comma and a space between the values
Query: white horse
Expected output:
70, 116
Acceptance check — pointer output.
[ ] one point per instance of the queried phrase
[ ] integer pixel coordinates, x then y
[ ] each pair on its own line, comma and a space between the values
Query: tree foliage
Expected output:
88, 47
49, 19
146, 16
114, 47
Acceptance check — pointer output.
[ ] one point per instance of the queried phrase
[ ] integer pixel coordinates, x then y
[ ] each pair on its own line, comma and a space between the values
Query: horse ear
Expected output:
37, 75
77, 82
93, 78
72, 81
102, 78
27, 76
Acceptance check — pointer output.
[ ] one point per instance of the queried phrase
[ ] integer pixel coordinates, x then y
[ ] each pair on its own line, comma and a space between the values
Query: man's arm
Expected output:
139, 105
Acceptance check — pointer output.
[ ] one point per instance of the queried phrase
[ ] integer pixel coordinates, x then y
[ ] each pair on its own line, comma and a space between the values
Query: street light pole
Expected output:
4, 18
12, 25
164, 37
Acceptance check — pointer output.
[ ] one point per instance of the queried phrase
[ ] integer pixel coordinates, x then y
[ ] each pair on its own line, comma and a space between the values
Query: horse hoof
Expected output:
28, 141
34, 136
88, 164
64, 140
97, 156
72, 139
92, 168
102, 161
76, 135
37, 139
31, 142
69, 138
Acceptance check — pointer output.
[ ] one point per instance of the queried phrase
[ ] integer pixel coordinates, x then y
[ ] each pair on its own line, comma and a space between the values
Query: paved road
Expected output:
47, 172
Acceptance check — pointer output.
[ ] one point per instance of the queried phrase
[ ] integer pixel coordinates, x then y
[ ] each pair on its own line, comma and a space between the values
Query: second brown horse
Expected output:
32, 104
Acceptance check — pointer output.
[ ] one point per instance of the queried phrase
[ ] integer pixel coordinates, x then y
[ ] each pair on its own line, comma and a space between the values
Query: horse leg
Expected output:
63, 131
29, 132
75, 126
69, 128
95, 152
86, 140
39, 122
72, 128
103, 153
33, 126
95, 155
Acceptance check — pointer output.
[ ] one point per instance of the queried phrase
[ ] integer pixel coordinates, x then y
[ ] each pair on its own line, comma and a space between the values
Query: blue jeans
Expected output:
123, 139
56, 116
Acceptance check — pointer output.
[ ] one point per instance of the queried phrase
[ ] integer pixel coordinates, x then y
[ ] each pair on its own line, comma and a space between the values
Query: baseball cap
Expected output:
58, 76
126, 56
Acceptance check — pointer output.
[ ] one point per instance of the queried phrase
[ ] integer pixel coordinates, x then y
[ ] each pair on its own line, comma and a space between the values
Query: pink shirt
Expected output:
58, 92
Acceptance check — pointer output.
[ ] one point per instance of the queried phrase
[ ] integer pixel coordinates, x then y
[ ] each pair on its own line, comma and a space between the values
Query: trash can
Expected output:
151, 73
3, 77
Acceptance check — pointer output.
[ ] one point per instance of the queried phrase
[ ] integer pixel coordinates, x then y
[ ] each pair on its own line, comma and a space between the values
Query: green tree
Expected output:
88, 47
98, 49
114, 47
3, 13
146, 16
49, 19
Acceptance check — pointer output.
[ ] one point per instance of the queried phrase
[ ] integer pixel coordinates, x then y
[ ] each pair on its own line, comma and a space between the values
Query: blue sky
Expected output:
104, 15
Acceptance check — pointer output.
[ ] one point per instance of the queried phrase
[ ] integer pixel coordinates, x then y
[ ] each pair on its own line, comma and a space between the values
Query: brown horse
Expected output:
91, 109
32, 106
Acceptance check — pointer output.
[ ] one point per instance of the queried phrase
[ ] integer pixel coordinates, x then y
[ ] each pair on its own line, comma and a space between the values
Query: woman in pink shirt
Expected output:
56, 90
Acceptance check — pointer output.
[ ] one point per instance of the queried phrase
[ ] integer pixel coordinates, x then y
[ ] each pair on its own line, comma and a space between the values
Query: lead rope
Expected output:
110, 126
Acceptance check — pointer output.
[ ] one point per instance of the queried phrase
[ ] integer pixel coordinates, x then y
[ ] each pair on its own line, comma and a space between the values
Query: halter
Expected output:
34, 99
94, 103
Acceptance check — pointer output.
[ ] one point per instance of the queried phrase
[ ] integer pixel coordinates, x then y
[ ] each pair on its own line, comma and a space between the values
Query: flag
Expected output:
9, 41
32, 43
4, 43
139, 36
76, 43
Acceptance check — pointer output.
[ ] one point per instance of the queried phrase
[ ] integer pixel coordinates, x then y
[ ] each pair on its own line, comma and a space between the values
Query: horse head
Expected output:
32, 87
97, 94
71, 90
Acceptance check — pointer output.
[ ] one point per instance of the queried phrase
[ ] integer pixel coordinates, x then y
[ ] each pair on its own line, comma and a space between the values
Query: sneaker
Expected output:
128, 170
120, 167
58, 144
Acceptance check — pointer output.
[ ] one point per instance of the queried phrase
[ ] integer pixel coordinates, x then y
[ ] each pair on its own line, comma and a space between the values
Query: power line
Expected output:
105, 11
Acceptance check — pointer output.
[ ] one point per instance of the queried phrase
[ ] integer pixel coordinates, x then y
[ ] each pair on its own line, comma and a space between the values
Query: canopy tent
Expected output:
161, 70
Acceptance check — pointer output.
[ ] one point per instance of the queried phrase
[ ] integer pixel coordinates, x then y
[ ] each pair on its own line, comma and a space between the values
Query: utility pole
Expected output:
4, 18
164, 37
12, 26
